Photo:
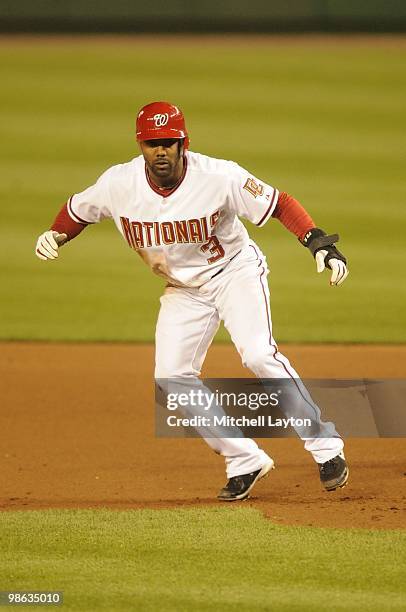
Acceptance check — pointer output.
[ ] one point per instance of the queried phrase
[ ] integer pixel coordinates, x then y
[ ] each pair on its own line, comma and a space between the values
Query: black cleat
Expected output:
239, 487
334, 473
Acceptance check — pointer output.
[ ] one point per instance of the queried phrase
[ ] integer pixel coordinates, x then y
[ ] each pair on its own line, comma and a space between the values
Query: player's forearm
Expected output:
292, 215
296, 219
64, 228
64, 224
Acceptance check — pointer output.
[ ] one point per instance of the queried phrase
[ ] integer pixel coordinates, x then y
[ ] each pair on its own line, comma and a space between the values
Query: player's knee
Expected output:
170, 389
173, 366
258, 360
173, 373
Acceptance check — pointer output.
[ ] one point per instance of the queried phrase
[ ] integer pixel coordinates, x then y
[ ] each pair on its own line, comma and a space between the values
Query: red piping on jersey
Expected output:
273, 345
76, 217
292, 215
64, 224
165, 191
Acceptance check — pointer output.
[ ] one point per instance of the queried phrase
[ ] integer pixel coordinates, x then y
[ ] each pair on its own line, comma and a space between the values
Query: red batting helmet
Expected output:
161, 120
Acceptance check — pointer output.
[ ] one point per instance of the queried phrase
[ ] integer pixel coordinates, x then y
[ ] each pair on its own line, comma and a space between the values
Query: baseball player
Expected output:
180, 210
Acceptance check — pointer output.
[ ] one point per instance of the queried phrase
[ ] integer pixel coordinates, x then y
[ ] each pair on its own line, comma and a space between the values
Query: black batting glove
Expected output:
323, 249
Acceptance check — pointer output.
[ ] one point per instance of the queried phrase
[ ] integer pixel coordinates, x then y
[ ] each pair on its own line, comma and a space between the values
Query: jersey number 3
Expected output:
214, 247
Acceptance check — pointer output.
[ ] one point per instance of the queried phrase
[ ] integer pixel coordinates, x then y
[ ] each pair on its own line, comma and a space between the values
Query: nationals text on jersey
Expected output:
141, 234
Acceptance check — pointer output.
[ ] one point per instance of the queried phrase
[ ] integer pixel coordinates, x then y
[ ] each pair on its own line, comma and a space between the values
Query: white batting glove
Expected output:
339, 270
48, 244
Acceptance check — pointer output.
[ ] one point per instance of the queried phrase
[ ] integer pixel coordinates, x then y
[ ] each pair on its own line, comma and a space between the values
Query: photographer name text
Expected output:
242, 421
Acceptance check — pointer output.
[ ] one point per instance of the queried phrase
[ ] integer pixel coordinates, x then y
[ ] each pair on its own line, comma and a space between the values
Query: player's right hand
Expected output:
48, 244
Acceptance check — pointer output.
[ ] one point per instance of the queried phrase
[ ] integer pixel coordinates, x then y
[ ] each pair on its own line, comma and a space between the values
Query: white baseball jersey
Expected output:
190, 234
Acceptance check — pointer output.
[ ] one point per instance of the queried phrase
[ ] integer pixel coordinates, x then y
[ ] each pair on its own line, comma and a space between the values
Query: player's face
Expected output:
163, 158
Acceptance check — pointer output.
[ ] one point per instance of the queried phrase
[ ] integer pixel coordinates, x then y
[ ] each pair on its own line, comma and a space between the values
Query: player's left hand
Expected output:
338, 266
326, 254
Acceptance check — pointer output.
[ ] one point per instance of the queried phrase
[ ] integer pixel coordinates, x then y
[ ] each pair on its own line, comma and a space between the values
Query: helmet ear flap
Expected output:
184, 144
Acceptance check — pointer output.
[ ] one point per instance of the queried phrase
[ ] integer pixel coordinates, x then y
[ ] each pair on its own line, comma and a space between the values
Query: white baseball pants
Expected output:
189, 319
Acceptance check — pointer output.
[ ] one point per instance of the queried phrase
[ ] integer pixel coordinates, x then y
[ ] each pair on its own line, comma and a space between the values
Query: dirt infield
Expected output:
77, 430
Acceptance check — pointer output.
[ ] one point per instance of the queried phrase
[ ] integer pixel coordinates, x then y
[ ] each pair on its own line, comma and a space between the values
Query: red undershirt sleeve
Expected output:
292, 215
64, 224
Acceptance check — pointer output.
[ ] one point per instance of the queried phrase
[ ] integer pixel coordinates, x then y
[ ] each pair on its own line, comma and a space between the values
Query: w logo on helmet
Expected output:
161, 119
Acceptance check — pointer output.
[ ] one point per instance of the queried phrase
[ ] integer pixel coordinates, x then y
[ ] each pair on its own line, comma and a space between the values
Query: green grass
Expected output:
324, 123
203, 559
